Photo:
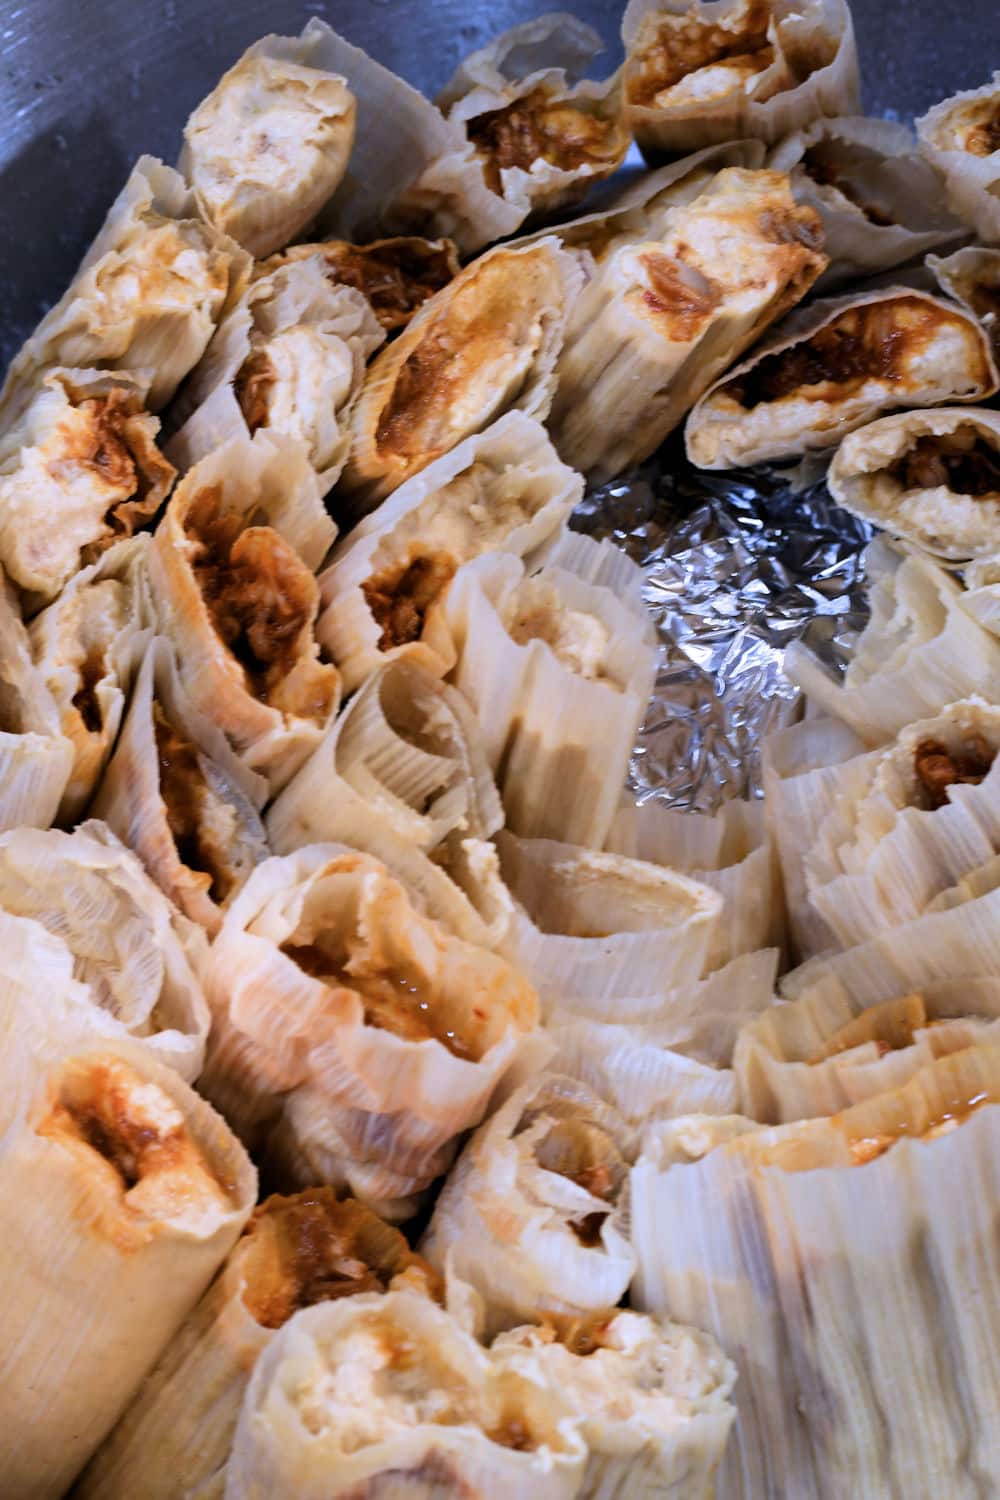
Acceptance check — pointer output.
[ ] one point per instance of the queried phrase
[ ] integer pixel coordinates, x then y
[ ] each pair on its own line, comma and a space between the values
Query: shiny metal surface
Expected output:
87, 85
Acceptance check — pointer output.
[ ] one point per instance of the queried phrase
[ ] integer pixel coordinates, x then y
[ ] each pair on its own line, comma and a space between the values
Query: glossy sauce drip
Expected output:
869, 1148
404, 1004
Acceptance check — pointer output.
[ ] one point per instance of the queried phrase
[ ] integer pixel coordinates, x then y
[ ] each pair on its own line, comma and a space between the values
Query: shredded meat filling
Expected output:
586, 1155
112, 444
184, 794
400, 597
961, 462
397, 275
937, 768
871, 342
984, 139
681, 49
401, 1003
313, 1248
537, 127
259, 594
252, 387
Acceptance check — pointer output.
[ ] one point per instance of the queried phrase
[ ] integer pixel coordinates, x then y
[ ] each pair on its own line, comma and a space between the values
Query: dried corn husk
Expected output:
329, 1413
747, 68
593, 928
502, 490
395, 275
559, 670
36, 758
637, 211
231, 569
653, 1056
80, 470
539, 137
352, 1029
661, 319
652, 1398
834, 366
919, 652
121, 1192
176, 794
289, 357
959, 136
486, 344
176, 1435
853, 1298
145, 299
534, 1216
268, 147
114, 933
878, 197
890, 830
972, 277
932, 478
407, 751
86, 645
733, 853
830, 1049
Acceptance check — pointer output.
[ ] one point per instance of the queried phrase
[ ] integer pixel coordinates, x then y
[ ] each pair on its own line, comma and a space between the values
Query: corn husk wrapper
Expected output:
289, 357
661, 319
931, 478
329, 1413
798, 394
395, 275
653, 1056
755, 68
849, 1296
36, 758
145, 299
86, 645
503, 490
176, 1436
113, 935
268, 147
558, 670
972, 277
540, 138
534, 1215
830, 1049
179, 798
375, 1105
122, 1193
637, 211
251, 515
733, 852
486, 344
878, 197
919, 652
593, 928
876, 848
407, 749
652, 1398
959, 137
78, 471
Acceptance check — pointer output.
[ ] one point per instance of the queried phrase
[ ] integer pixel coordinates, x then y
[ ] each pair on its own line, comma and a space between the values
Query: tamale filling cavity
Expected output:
937, 768
185, 794
538, 127
960, 461
400, 596
686, 45
586, 1155
984, 138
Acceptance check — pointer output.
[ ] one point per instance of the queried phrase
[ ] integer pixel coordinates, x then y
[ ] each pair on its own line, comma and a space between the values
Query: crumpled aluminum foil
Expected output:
737, 565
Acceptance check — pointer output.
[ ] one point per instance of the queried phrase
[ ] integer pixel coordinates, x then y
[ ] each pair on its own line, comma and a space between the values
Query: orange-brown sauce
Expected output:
681, 298
585, 1155
538, 127
875, 341
984, 138
92, 670
184, 794
680, 49
400, 597
937, 768
397, 275
252, 387
869, 1148
111, 445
